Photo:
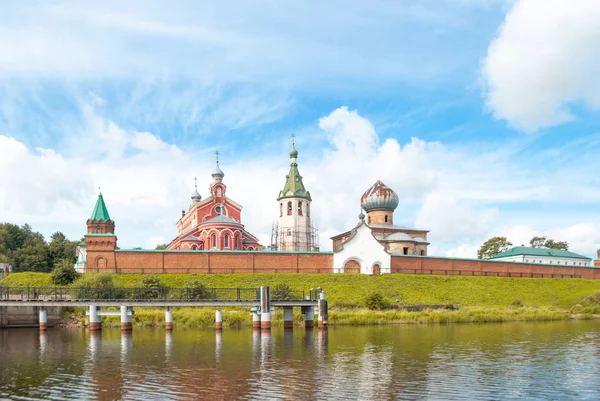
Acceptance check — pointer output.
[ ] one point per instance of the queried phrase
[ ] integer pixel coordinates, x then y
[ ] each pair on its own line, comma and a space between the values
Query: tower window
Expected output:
405, 250
218, 209
280, 209
194, 247
219, 192
422, 253
226, 245
213, 240
289, 208
299, 208
386, 218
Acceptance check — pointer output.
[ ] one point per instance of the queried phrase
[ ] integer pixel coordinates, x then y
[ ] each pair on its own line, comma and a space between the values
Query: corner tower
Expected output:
294, 232
100, 240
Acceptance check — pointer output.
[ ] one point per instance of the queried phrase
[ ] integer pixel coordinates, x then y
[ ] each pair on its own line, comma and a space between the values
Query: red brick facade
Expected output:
475, 267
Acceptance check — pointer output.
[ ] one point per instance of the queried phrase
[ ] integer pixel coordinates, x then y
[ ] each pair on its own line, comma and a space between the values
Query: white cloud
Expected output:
543, 61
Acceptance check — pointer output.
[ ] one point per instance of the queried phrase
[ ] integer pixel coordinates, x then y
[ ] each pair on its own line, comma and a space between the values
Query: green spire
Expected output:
100, 211
294, 188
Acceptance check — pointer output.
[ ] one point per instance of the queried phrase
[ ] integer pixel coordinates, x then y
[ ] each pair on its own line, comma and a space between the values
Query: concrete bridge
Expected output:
258, 299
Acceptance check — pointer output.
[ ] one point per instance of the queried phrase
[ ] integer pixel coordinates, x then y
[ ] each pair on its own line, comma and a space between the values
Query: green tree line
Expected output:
496, 245
26, 250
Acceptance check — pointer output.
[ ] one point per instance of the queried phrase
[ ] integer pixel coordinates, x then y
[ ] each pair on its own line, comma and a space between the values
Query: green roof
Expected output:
294, 187
100, 211
529, 251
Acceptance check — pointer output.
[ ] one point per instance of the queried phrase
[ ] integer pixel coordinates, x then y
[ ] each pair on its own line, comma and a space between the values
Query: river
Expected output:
557, 360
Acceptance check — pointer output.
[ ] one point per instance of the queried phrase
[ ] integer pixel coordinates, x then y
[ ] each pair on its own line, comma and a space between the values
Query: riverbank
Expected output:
481, 299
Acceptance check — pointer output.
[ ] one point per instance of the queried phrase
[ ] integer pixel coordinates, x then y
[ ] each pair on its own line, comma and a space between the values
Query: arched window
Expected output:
386, 219
299, 208
219, 192
280, 209
308, 209
194, 247
422, 253
213, 240
236, 242
226, 244
289, 208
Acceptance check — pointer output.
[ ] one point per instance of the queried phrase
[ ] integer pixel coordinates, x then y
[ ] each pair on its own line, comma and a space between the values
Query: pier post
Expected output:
309, 317
265, 308
323, 313
126, 324
256, 320
43, 318
218, 319
95, 319
168, 319
288, 317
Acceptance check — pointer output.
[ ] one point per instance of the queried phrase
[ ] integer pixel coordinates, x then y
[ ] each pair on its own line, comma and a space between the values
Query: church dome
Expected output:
196, 195
217, 172
379, 197
293, 152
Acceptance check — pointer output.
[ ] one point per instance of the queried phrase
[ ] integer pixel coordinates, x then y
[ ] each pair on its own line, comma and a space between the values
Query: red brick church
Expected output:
213, 223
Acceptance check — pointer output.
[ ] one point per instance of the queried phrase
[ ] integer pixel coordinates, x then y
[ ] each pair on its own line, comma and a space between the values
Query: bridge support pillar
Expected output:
218, 319
265, 320
95, 319
256, 320
168, 319
288, 317
126, 324
323, 312
43, 318
309, 317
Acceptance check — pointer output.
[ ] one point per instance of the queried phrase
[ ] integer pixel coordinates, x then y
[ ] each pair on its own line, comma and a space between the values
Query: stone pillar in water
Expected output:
95, 319
126, 324
309, 317
323, 312
218, 319
168, 318
43, 318
288, 317
265, 308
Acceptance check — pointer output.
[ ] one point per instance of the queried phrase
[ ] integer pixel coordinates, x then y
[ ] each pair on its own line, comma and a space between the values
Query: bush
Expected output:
195, 289
281, 292
153, 288
517, 303
375, 301
96, 286
64, 273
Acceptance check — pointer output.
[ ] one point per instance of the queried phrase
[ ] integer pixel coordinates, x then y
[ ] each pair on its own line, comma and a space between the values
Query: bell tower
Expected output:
294, 232
100, 240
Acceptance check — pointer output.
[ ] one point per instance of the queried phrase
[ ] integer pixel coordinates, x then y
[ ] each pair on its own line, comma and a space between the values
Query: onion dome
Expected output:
293, 152
379, 197
196, 197
217, 172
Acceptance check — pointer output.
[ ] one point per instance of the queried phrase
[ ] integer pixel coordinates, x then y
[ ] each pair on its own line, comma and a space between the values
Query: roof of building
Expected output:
100, 211
530, 251
294, 187
394, 227
221, 219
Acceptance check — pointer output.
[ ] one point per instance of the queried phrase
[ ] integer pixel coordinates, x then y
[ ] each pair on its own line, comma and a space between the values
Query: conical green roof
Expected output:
100, 211
294, 187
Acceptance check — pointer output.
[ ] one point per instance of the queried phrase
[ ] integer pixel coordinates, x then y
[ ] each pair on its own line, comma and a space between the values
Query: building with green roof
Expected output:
525, 254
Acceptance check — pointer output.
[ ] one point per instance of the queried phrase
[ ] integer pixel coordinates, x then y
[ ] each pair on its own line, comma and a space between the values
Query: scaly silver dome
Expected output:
379, 197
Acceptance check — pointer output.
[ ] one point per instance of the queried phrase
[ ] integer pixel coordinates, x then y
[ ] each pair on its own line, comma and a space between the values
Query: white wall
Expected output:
298, 224
548, 260
364, 249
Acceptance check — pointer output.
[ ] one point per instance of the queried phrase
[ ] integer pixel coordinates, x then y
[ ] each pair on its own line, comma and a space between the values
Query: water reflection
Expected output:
506, 361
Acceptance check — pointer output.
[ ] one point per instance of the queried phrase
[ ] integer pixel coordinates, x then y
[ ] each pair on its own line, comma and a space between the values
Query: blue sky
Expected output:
483, 125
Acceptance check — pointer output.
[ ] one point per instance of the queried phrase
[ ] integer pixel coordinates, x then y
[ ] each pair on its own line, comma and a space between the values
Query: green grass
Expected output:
350, 290
482, 299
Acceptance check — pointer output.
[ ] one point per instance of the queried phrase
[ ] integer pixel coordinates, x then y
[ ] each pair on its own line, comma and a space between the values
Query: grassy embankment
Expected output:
481, 299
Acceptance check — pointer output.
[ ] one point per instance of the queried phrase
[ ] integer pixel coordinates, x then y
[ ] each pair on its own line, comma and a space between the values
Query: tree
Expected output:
493, 247
64, 273
537, 242
544, 242
161, 246
60, 248
557, 245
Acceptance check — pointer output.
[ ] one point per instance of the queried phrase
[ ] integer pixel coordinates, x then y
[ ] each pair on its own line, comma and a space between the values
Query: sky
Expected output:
481, 114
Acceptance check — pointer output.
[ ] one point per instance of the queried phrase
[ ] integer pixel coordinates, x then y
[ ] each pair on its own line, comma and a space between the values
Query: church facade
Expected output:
366, 248
213, 223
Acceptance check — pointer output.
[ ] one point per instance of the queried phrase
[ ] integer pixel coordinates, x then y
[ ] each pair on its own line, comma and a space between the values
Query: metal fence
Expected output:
145, 294
481, 273
217, 270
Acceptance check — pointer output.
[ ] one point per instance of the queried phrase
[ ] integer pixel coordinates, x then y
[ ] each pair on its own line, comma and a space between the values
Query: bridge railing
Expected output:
132, 294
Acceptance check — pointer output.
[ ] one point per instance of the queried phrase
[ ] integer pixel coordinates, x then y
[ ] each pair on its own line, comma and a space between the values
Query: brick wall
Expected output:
221, 262
474, 267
